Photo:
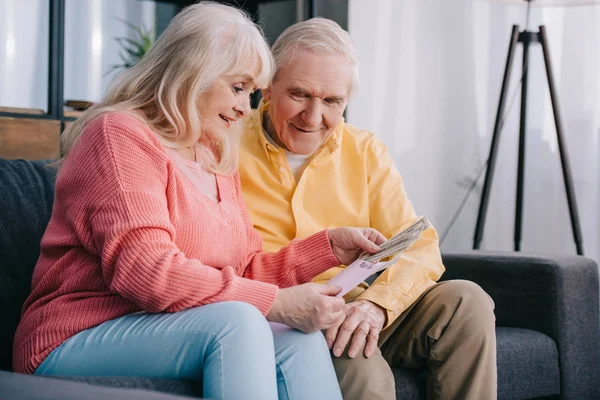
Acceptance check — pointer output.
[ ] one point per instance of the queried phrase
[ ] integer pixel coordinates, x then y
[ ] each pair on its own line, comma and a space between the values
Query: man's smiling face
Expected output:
307, 100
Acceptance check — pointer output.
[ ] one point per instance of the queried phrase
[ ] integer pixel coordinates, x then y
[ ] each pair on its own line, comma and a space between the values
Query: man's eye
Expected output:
297, 96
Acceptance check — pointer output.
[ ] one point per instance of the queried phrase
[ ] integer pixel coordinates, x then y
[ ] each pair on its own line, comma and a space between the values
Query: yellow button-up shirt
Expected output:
350, 181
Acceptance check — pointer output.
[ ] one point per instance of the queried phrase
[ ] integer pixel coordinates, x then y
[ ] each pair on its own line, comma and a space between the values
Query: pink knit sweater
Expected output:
129, 233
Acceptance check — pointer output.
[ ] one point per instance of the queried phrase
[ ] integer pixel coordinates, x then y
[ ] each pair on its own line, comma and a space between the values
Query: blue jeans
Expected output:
229, 346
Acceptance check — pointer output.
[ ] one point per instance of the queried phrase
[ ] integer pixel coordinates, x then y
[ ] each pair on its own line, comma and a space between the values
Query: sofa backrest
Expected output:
26, 197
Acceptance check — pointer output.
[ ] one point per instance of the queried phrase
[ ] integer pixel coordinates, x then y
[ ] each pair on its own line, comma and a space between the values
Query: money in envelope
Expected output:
369, 264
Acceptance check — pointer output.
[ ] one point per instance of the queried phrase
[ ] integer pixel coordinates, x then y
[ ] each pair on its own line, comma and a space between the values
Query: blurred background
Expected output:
430, 79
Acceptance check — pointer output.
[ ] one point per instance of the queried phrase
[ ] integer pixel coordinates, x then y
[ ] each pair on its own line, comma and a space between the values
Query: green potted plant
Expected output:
133, 49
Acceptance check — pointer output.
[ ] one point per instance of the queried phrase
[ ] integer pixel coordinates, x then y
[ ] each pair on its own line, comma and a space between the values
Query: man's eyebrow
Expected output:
335, 99
298, 90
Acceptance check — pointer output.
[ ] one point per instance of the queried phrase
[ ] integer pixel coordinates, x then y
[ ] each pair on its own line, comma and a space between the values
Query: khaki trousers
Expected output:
449, 331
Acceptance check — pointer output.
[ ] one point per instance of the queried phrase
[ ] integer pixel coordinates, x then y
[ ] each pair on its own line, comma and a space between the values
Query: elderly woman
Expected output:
150, 265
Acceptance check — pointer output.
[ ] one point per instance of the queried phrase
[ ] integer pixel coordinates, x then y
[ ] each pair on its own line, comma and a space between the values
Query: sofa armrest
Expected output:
558, 296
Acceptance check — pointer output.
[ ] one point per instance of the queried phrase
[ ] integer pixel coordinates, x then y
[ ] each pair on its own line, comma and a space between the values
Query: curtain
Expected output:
90, 47
430, 78
24, 53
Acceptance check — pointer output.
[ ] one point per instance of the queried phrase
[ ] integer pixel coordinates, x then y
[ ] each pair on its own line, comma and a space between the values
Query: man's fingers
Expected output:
359, 339
372, 340
345, 332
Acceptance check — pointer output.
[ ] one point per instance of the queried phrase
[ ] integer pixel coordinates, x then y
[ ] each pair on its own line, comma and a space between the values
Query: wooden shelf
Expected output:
28, 138
73, 113
17, 110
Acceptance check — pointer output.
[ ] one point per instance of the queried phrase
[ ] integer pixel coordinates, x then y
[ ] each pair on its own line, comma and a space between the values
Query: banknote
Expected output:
398, 243
369, 264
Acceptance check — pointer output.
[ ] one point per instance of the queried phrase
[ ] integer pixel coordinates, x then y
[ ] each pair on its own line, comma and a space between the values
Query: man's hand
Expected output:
363, 322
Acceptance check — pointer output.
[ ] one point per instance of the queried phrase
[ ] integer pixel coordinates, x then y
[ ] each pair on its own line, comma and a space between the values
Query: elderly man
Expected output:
304, 169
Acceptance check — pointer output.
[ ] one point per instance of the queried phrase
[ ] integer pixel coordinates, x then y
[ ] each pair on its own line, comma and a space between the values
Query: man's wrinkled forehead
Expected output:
300, 75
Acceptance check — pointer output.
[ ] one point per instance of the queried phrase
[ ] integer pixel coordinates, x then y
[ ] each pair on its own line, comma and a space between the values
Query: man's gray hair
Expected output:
321, 36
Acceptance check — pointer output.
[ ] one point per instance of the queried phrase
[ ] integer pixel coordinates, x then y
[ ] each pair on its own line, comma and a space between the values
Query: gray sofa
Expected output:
547, 311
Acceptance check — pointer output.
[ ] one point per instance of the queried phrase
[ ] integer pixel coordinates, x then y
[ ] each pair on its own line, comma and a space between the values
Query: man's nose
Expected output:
312, 113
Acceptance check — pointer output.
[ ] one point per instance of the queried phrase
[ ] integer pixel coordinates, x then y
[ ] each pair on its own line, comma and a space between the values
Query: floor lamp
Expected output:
526, 38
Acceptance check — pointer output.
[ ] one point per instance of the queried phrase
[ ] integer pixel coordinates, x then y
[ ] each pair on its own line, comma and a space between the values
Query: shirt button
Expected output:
281, 169
394, 301
395, 312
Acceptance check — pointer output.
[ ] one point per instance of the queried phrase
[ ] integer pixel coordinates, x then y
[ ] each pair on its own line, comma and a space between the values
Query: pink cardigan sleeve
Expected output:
130, 228
297, 263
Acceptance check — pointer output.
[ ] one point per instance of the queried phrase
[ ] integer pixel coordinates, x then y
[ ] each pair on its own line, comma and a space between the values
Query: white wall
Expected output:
431, 73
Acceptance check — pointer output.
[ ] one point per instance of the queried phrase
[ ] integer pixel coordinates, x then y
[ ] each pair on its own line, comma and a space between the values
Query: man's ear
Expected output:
266, 93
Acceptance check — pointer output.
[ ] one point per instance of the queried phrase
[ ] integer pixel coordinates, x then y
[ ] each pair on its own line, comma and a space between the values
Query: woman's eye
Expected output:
238, 89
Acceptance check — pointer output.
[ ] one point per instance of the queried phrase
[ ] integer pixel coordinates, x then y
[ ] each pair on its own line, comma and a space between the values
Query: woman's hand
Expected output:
348, 243
309, 307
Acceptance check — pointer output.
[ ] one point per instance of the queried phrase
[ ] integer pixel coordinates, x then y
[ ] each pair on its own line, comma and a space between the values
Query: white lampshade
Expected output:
550, 3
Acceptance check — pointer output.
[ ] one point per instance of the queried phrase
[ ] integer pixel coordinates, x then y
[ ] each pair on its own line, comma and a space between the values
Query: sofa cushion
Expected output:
30, 387
410, 383
26, 197
527, 368
527, 364
174, 386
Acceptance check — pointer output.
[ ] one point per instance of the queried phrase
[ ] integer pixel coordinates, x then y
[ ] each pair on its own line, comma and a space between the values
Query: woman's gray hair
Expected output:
202, 44
320, 35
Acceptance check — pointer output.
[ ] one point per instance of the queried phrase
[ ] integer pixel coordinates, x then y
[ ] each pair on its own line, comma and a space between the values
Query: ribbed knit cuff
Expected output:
316, 254
259, 294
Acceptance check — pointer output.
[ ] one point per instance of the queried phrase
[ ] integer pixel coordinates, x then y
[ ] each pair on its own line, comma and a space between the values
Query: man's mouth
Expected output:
305, 130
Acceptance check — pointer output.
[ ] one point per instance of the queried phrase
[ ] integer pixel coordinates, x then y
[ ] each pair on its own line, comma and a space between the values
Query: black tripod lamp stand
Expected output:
526, 38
